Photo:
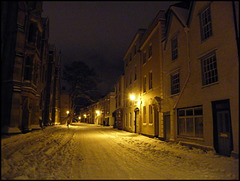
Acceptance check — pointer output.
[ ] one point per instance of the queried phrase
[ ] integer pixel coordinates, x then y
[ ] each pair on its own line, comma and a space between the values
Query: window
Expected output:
175, 83
150, 114
28, 69
206, 23
209, 69
144, 83
126, 120
144, 114
35, 76
130, 79
144, 57
130, 119
130, 57
190, 121
135, 73
174, 44
150, 80
32, 34
119, 100
150, 51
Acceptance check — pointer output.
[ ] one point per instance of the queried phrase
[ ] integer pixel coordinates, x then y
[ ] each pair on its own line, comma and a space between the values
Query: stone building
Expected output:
24, 56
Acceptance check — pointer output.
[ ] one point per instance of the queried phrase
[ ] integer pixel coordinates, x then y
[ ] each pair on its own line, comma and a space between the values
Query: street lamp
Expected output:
67, 112
132, 97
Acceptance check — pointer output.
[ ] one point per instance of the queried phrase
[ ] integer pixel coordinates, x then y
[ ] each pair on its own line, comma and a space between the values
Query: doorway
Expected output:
222, 126
167, 125
156, 121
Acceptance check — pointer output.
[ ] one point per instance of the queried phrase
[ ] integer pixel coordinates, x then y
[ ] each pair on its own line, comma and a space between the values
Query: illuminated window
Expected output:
150, 114
206, 23
190, 121
209, 69
175, 83
150, 80
174, 44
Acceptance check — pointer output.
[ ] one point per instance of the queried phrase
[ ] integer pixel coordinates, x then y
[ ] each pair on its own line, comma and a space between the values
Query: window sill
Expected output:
173, 95
209, 85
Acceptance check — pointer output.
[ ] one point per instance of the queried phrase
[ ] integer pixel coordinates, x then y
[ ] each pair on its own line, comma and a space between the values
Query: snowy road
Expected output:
85, 151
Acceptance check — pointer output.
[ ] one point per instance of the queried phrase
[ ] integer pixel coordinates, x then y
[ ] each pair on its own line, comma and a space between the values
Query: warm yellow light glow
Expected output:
85, 115
67, 112
98, 112
79, 117
132, 97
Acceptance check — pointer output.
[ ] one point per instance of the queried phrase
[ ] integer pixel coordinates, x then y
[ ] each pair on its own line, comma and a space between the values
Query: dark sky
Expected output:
99, 32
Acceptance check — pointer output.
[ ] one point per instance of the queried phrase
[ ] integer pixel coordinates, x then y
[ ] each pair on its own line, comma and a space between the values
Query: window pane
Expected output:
198, 111
199, 127
189, 112
189, 122
181, 126
181, 112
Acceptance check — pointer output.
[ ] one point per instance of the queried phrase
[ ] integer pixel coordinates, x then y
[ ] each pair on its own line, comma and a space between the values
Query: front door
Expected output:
222, 127
156, 122
166, 119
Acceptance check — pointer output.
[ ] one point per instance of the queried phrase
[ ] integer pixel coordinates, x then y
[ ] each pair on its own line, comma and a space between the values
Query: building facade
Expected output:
132, 61
119, 103
151, 77
24, 47
189, 72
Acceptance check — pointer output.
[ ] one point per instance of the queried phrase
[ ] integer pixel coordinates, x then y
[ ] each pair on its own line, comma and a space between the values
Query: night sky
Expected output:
99, 32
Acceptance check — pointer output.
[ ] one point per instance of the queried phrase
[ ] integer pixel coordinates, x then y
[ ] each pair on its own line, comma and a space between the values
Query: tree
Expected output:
83, 81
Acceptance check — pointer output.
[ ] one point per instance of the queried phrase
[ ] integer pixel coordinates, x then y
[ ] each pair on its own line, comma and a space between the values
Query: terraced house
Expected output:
132, 85
189, 72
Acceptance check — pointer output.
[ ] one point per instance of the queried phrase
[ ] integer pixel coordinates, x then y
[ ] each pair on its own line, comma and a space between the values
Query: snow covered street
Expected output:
85, 151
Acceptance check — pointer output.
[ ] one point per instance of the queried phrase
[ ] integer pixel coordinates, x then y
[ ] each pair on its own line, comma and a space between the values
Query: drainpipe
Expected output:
186, 30
235, 26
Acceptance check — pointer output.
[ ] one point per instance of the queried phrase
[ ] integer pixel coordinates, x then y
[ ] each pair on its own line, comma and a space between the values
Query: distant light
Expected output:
67, 112
79, 117
85, 115
132, 97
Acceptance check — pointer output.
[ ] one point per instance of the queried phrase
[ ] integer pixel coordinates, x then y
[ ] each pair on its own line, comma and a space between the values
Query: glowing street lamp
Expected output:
79, 117
132, 97
85, 115
67, 112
